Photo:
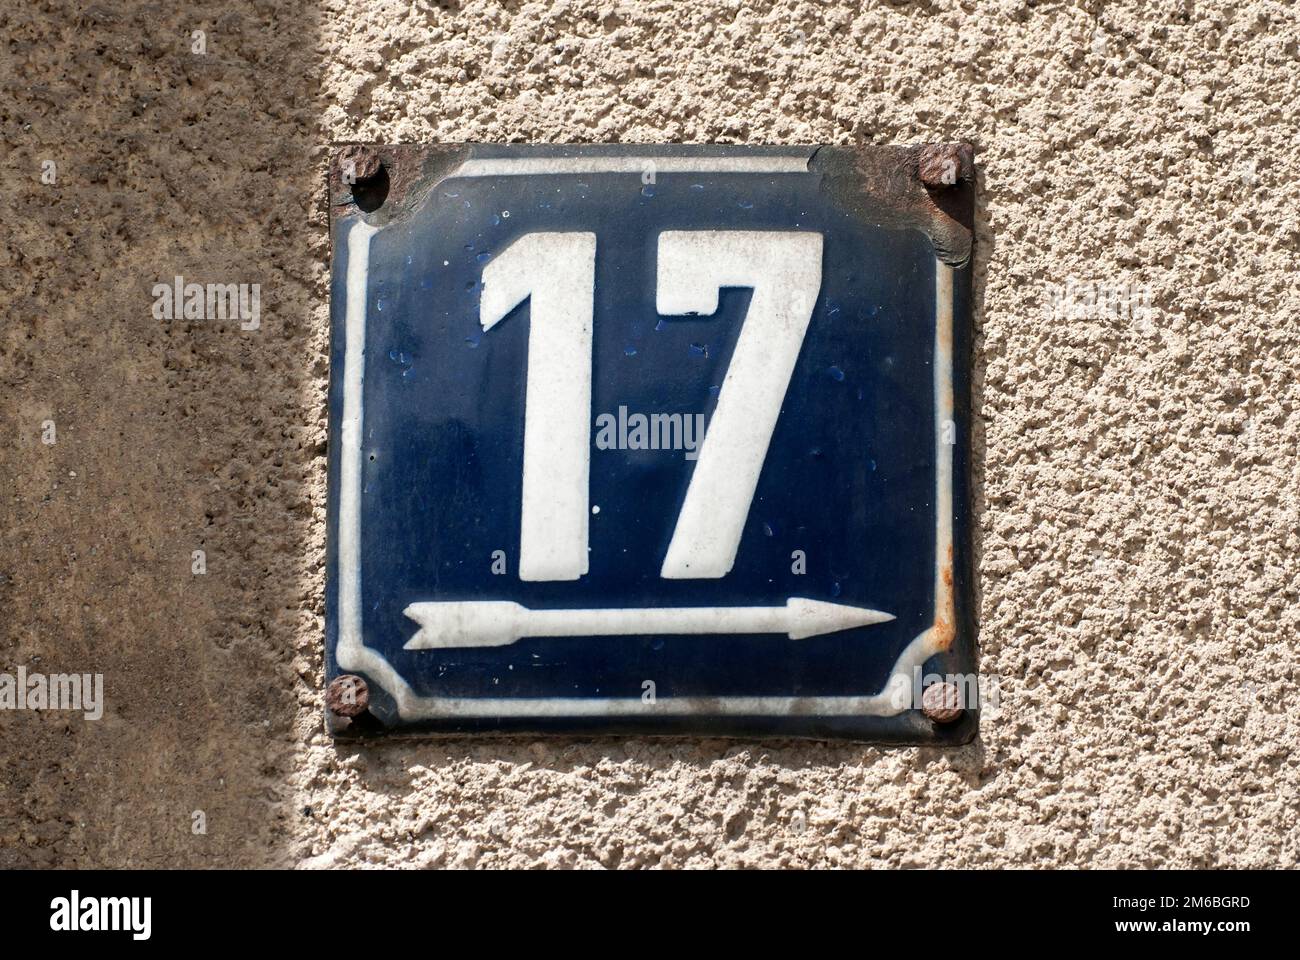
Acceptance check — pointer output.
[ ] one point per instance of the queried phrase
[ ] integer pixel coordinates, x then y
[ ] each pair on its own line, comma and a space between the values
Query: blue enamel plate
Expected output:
651, 440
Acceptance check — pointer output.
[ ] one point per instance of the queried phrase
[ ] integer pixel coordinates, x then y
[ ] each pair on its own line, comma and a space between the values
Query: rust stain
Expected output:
883, 185
944, 632
413, 172
944, 335
944, 629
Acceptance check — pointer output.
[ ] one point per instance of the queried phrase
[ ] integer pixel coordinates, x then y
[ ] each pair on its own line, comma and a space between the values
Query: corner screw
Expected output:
941, 702
357, 162
347, 696
941, 165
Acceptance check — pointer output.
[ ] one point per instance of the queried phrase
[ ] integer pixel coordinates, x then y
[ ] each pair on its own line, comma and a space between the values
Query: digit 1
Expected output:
556, 273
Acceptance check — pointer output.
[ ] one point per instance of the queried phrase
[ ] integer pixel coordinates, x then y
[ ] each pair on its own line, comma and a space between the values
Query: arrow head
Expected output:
812, 618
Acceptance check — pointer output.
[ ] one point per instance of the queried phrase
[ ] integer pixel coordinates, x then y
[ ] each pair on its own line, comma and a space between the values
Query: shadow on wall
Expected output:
164, 536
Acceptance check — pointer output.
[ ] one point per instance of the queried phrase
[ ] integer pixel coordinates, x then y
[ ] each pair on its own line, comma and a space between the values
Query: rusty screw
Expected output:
943, 164
357, 162
941, 702
347, 696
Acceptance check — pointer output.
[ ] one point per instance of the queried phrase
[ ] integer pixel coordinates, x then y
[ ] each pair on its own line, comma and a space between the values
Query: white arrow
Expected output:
495, 623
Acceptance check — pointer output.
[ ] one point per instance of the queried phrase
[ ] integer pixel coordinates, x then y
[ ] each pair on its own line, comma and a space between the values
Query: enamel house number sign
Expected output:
650, 440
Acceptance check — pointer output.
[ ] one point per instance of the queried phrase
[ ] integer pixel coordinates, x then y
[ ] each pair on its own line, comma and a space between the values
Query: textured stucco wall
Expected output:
1136, 482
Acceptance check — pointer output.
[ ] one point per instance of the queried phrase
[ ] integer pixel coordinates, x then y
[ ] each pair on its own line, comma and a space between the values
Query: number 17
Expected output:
557, 273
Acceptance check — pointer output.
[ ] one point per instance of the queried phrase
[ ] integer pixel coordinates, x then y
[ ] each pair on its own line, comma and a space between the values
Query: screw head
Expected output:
347, 696
941, 702
357, 162
941, 165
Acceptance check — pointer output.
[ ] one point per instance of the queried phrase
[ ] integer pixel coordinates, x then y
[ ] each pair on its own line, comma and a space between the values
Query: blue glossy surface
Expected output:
849, 477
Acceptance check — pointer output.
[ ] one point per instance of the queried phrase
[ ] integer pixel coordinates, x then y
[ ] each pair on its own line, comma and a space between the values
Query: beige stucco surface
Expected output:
1136, 482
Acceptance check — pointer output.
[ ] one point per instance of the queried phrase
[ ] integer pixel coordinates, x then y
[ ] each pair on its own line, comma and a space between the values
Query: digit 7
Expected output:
785, 271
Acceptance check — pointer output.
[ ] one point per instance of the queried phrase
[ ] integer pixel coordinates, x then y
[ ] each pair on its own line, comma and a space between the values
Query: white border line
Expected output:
945, 607
353, 655
520, 166
354, 372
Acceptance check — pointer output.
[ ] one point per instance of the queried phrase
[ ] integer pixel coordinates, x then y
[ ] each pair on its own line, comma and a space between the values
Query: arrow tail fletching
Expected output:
472, 623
